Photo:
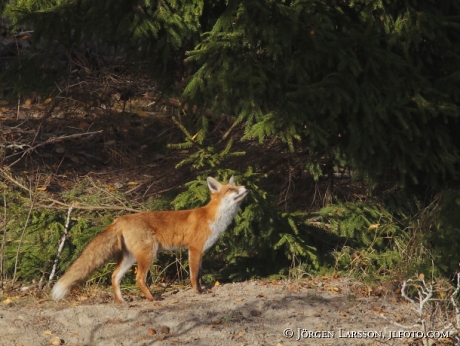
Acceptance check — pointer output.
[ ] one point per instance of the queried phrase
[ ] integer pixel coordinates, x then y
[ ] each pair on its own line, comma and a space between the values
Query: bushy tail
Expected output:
106, 245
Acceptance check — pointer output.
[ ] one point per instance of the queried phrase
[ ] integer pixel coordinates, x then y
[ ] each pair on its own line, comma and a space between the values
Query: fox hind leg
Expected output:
144, 261
125, 262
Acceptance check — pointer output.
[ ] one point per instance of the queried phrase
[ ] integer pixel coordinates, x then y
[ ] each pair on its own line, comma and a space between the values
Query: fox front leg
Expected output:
194, 258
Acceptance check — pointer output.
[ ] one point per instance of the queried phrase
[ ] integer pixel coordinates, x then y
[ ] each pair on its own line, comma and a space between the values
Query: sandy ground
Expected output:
324, 312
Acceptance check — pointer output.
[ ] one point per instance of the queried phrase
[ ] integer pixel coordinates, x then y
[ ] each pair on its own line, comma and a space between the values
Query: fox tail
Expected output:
106, 245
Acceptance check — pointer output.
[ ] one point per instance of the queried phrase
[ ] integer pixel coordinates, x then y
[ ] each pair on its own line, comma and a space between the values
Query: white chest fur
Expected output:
224, 217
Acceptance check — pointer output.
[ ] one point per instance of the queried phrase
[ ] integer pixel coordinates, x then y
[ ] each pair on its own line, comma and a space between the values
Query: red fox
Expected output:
138, 238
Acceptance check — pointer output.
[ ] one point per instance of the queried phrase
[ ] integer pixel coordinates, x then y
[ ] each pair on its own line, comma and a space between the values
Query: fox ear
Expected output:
213, 184
232, 181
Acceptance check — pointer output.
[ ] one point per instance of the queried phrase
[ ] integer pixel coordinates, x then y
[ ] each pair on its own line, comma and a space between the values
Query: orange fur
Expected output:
139, 237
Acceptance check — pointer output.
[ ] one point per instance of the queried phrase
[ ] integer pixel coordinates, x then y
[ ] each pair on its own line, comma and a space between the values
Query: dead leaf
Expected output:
7, 301
83, 126
333, 289
43, 188
174, 102
75, 159
421, 276
142, 113
160, 116
56, 341
59, 149
48, 100
164, 329
152, 331
133, 183
28, 102
217, 283
48, 332
239, 299
372, 227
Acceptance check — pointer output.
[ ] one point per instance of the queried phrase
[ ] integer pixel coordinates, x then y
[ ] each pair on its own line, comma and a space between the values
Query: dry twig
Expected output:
2, 250
61, 244
48, 141
32, 204
425, 294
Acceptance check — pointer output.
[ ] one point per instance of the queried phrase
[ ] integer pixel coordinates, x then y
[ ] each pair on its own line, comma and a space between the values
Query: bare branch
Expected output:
416, 325
32, 204
61, 244
51, 140
2, 250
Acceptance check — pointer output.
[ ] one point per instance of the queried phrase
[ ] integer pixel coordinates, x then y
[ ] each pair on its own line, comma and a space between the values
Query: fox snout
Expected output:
243, 191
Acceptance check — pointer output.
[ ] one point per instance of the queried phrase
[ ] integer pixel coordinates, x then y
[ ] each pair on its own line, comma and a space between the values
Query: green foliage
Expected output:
32, 249
440, 222
371, 237
34, 243
377, 241
204, 155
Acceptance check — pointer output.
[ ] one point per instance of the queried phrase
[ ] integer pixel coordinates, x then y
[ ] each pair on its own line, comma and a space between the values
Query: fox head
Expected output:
227, 195
225, 200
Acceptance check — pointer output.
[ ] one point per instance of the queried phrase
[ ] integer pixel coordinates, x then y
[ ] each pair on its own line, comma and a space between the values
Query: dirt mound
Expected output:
318, 312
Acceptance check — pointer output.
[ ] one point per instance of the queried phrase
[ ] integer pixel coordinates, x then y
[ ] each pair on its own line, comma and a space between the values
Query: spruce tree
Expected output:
370, 81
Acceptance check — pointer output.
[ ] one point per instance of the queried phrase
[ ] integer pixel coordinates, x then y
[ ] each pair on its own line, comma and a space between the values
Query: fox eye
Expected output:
230, 189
